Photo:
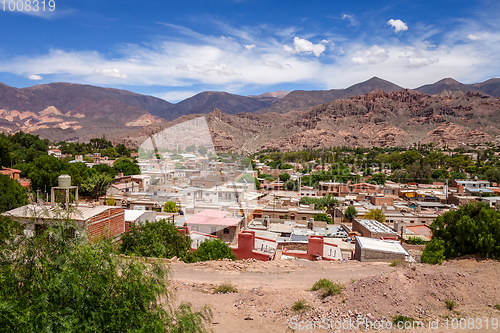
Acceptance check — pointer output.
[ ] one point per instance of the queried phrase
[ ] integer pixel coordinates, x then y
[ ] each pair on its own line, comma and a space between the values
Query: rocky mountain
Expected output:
376, 119
65, 111
300, 100
207, 101
447, 84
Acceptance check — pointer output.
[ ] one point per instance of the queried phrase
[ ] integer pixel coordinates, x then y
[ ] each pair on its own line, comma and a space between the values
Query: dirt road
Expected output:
374, 292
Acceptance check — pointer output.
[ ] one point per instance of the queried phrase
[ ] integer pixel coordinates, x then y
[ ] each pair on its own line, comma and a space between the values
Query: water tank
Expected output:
64, 181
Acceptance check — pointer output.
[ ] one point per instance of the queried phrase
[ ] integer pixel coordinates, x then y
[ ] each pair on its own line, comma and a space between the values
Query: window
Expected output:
226, 231
303, 218
194, 228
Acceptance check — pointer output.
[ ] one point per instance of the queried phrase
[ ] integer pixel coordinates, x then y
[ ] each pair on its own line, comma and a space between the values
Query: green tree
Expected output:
122, 150
191, 149
127, 166
5, 149
110, 152
59, 283
95, 185
213, 249
350, 213
43, 172
378, 178
433, 252
322, 217
471, 229
284, 177
375, 214
170, 207
12, 194
8, 228
159, 239
202, 150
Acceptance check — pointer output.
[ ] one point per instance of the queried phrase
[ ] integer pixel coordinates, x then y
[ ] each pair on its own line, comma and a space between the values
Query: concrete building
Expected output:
372, 229
95, 222
369, 249
216, 223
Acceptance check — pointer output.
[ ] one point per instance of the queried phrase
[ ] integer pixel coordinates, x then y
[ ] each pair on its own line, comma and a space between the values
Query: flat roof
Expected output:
380, 245
376, 226
213, 217
81, 213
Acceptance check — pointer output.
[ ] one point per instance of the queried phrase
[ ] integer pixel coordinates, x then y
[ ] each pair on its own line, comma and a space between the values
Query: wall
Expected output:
375, 255
109, 224
245, 248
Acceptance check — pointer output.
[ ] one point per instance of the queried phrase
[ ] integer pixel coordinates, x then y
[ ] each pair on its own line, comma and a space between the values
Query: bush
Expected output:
225, 288
471, 229
402, 319
170, 207
300, 305
450, 304
59, 283
161, 239
395, 263
327, 287
350, 213
433, 252
212, 249
415, 241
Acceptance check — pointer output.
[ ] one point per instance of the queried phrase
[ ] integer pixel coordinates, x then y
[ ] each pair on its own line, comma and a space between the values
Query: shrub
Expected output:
225, 288
497, 306
300, 305
59, 283
327, 287
401, 319
161, 239
350, 213
212, 249
415, 241
433, 252
395, 263
450, 304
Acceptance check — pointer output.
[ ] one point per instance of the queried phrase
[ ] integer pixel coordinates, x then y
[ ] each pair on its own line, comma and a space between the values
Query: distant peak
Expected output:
449, 81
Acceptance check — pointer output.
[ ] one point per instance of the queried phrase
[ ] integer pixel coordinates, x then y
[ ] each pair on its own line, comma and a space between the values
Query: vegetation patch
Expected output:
300, 306
225, 288
450, 304
327, 287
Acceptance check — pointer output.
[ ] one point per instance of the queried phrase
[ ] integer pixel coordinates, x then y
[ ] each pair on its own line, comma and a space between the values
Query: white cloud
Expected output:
249, 46
345, 16
419, 62
177, 96
398, 25
205, 70
372, 56
111, 72
274, 64
303, 46
35, 77
210, 61
474, 37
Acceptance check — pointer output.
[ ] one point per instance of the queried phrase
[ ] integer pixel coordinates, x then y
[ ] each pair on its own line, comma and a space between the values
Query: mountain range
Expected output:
65, 111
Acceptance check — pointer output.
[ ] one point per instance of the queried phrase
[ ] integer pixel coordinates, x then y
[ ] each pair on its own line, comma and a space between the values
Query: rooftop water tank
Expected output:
64, 181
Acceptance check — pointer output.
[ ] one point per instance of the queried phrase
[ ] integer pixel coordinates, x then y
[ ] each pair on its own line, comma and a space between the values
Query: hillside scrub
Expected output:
472, 229
55, 282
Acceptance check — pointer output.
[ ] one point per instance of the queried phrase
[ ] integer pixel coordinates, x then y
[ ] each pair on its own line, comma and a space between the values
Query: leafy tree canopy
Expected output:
61, 284
12, 194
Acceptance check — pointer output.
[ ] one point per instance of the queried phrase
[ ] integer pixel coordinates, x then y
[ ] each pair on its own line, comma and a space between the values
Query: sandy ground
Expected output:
372, 292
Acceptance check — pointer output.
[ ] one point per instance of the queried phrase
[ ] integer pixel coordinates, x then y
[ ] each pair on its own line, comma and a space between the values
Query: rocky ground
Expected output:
374, 292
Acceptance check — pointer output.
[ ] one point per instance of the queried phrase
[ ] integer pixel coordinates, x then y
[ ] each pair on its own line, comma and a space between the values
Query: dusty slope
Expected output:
372, 290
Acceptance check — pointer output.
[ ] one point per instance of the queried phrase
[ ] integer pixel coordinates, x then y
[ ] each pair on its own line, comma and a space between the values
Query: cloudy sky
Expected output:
175, 49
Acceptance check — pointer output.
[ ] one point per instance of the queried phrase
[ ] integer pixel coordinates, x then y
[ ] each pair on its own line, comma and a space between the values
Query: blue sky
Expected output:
175, 49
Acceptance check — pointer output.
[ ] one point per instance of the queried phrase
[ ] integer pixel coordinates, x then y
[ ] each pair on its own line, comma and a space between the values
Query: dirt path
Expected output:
374, 291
